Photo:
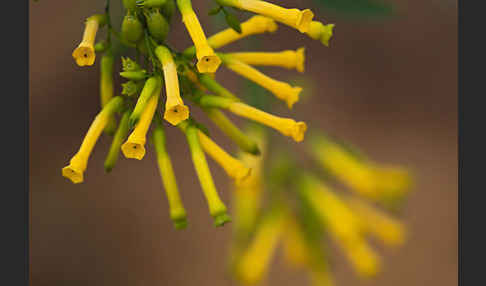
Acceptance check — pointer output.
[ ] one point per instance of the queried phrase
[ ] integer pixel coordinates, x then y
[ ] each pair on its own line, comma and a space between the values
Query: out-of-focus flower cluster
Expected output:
299, 209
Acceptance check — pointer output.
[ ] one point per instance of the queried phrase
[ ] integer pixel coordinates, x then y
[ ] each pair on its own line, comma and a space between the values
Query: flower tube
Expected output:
175, 110
377, 223
255, 261
177, 210
343, 225
207, 60
74, 171
281, 90
84, 54
217, 209
286, 126
134, 147
295, 18
286, 59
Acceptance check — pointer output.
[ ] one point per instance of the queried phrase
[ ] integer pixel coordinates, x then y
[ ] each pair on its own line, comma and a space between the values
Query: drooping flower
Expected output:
207, 60
281, 90
75, 170
134, 147
295, 18
286, 59
175, 110
84, 54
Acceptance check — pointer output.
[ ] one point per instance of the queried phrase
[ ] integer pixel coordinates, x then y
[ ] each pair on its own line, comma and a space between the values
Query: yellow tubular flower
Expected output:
134, 147
379, 224
232, 166
321, 32
175, 110
217, 209
343, 225
295, 18
386, 185
255, 261
84, 54
286, 126
287, 59
357, 175
74, 171
281, 90
393, 183
177, 211
207, 60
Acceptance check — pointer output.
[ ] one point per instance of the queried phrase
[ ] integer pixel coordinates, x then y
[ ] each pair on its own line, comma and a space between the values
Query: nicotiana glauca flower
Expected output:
175, 110
375, 222
255, 261
217, 209
286, 126
282, 90
177, 210
134, 147
344, 226
386, 185
286, 59
295, 18
84, 54
75, 170
207, 60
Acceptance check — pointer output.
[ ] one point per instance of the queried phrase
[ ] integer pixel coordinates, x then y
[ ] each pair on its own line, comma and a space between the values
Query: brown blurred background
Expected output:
389, 86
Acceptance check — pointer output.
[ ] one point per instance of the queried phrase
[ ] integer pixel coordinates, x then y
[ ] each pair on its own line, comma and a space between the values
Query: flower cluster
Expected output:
285, 203
182, 77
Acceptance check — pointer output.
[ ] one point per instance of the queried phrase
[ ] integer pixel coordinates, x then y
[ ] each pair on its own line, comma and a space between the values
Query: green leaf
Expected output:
232, 21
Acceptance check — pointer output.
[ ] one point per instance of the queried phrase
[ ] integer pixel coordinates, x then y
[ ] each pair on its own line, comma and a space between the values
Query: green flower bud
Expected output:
130, 4
168, 9
131, 88
157, 25
134, 75
130, 65
132, 29
151, 3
